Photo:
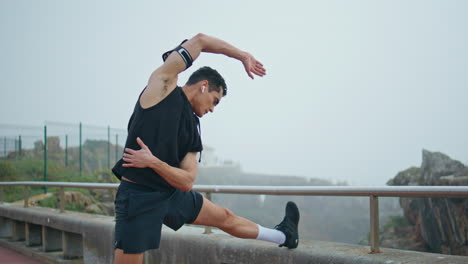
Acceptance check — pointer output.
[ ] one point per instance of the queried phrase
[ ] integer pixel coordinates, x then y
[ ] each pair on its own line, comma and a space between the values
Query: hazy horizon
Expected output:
354, 89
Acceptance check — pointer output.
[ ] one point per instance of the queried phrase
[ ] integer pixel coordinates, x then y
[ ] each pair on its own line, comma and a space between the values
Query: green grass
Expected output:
51, 202
32, 169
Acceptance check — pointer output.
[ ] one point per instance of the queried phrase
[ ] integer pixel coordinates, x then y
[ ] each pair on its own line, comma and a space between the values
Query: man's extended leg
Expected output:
226, 220
121, 258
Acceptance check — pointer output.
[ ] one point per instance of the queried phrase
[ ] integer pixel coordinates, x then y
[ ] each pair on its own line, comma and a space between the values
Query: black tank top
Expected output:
169, 129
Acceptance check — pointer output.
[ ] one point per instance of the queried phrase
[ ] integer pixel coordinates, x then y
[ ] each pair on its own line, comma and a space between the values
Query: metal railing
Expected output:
372, 192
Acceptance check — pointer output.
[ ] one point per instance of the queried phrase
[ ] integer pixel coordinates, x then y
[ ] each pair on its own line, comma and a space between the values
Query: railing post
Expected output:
62, 199
208, 228
26, 196
374, 224
1, 194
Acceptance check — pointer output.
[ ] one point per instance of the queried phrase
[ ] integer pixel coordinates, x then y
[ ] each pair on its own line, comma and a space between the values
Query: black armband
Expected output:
182, 52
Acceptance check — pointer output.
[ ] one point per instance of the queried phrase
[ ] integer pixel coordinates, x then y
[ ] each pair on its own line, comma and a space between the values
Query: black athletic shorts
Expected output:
140, 212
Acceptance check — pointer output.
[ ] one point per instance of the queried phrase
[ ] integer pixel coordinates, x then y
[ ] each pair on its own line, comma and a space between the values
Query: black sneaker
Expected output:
289, 226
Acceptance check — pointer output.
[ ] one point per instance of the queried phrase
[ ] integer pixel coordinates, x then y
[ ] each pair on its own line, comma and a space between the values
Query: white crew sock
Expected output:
271, 235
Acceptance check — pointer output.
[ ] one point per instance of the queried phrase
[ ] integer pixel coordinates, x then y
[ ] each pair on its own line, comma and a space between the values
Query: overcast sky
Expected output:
354, 89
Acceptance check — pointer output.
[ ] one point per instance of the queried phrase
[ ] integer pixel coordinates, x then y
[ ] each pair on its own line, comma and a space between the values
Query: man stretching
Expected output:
159, 165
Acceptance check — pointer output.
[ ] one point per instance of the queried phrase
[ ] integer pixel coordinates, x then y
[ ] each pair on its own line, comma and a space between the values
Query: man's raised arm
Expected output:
204, 43
164, 79
214, 45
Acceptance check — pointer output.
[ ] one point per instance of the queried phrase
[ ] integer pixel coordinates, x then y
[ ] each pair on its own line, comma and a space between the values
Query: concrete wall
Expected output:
91, 237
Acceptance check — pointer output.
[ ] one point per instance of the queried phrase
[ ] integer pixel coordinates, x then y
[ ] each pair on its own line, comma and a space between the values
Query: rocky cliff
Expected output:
438, 225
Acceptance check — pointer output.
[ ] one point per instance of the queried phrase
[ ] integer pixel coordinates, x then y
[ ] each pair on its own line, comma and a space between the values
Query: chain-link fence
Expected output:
15, 139
60, 148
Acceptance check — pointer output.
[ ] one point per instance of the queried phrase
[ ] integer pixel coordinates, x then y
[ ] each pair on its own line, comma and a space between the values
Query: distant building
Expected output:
210, 159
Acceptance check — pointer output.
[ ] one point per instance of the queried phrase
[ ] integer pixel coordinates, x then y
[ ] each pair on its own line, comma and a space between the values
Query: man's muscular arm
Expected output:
181, 179
217, 46
164, 79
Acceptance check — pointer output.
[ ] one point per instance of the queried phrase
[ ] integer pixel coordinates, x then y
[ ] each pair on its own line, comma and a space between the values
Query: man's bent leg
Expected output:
121, 258
224, 219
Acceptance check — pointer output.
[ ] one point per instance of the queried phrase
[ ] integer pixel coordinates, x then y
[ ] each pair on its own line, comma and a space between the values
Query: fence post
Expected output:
374, 224
208, 228
62, 199
4, 147
1, 194
108, 147
45, 157
81, 156
66, 150
116, 147
16, 148
20, 143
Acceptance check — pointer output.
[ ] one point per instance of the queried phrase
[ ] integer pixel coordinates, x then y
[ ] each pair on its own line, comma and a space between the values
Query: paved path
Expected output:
11, 257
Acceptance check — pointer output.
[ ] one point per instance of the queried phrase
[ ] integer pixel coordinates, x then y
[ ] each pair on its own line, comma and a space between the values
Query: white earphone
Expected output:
203, 89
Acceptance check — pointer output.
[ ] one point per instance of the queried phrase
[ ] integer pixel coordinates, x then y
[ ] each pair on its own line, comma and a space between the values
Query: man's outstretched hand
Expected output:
252, 66
142, 158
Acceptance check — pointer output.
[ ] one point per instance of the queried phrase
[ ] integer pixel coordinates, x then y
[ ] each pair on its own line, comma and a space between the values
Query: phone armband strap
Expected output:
182, 52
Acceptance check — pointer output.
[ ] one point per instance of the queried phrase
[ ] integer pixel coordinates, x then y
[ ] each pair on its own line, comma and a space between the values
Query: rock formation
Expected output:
438, 224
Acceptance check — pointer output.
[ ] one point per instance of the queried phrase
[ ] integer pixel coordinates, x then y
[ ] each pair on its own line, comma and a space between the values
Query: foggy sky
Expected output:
354, 89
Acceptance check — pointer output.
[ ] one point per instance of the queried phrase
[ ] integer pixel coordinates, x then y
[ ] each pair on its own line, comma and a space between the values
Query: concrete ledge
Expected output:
97, 231
37, 253
190, 245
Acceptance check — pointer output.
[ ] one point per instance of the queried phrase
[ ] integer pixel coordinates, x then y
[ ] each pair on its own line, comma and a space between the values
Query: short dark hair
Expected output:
215, 80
